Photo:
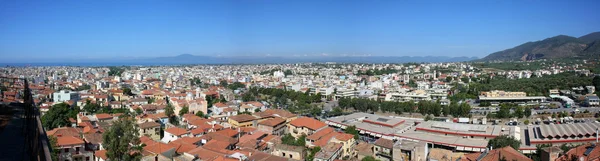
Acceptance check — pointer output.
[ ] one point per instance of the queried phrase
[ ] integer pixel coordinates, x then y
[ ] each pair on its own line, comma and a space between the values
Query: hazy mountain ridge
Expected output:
192, 59
197, 59
560, 46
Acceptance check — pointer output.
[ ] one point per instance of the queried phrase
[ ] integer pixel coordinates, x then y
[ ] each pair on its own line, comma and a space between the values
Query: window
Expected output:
290, 155
66, 150
283, 154
87, 158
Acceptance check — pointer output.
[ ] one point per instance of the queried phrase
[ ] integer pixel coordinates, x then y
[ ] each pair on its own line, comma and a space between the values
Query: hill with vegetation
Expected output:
560, 46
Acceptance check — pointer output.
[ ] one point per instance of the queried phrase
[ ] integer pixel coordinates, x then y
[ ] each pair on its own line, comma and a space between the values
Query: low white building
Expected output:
174, 133
64, 95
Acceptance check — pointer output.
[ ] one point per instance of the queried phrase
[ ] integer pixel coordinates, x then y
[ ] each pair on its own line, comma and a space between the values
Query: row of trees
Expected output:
372, 72
505, 111
423, 107
93, 108
115, 71
59, 114
281, 96
532, 86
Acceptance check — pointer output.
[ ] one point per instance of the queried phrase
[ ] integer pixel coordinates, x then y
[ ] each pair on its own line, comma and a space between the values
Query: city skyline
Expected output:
134, 29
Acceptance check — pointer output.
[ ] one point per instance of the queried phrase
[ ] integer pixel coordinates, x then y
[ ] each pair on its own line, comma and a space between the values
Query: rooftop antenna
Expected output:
596, 135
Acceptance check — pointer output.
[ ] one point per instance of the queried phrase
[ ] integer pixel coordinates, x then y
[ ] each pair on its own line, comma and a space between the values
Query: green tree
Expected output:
504, 141
90, 107
312, 153
301, 141
170, 112
504, 112
448, 79
519, 112
287, 72
200, 114
527, 112
538, 153
56, 116
352, 130
369, 158
121, 140
139, 111
288, 139
222, 98
54, 146
115, 71
150, 100
428, 117
223, 83
184, 110
445, 110
127, 91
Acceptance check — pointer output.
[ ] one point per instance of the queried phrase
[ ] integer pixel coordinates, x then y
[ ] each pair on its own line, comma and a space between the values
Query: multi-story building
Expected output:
64, 95
383, 149
72, 149
304, 126
274, 126
243, 120
150, 129
289, 151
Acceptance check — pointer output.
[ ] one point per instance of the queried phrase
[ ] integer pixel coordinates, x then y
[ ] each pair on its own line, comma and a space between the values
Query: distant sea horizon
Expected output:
83, 64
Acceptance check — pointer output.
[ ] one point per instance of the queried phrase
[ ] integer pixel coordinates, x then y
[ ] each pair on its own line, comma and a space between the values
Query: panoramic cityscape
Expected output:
299, 81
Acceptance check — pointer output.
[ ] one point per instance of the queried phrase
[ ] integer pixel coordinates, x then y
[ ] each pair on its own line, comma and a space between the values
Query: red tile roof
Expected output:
319, 134
103, 116
242, 118
507, 153
176, 131
158, 148
101, 154
309, 123
385, 143
68, 140
64, 131
579, 152
227, 132
272, 122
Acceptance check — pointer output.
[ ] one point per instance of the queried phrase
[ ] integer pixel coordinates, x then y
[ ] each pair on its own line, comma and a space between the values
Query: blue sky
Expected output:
149, 28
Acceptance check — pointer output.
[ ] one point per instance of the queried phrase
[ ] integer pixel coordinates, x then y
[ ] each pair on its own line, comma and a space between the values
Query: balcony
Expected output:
23, 138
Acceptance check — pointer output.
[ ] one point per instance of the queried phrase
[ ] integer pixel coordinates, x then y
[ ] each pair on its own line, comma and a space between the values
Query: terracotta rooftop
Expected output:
101, 154
272, 122
148, 124
68, 140
242, 118
64, 131
385, 143
275, 113
507, 153
309, 123
176, 131
103, 116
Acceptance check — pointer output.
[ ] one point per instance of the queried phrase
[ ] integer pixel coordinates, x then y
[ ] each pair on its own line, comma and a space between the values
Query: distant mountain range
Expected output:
194, 59
186, 59
560, 46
